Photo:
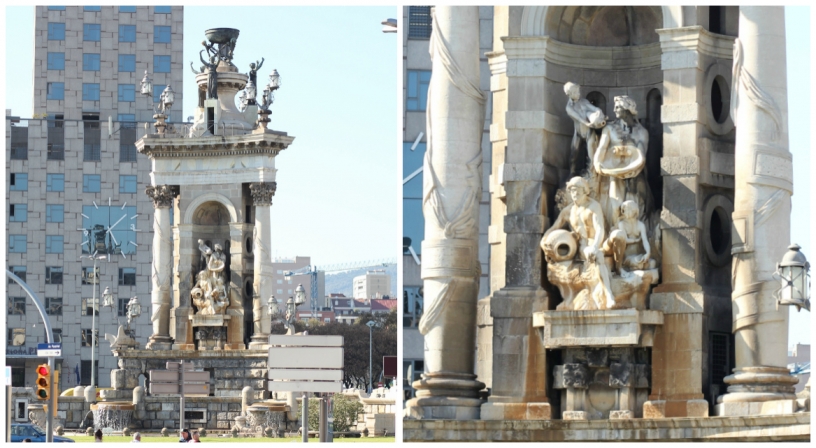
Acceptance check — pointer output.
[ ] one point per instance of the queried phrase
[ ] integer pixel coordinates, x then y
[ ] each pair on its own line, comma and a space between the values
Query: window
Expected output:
161, 34
122, 308
53, 305
16, 305
127, 184
57, 332
56, 138
16, 336
161, 9
419, 22
90, 92
56, 31
17, 244
280, 271
90, 306
88, 277
54, 244
127, 276
91, 32
56, 8
127, 9
280, 291
127, 92
127, 140
54, 213
416, 97
56, 61
19, 271
127, 33
90, 62
93, 137
93, 8
55, 91
91, 183
53, 275
289, 291
18, 212
85, 367
18, 182
161, 64
280, 282
86, 342
19, 142
157, 91
127, 62
54, 182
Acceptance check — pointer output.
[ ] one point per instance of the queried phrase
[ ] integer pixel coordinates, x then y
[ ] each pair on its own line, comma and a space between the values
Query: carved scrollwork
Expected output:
262, 192
162, 195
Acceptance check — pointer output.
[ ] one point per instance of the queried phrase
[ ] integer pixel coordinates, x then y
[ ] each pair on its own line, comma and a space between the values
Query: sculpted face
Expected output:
575, 93
577, 194
619, 110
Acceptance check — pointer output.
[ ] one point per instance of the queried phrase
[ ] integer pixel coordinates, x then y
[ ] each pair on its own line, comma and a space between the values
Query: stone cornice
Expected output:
698, 39
174, 146
582, 56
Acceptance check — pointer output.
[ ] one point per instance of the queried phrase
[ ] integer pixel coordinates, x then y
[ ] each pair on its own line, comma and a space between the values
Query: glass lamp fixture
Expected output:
793, 273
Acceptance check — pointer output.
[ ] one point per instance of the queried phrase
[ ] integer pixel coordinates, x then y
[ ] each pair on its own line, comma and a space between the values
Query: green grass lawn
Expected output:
151, 439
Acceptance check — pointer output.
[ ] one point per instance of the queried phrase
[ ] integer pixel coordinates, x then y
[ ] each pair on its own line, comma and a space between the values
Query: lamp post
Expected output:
370, 325
291, 309
94, 257
793, 272
268, 98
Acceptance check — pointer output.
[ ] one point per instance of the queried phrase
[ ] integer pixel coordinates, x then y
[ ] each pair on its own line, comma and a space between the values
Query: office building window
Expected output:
127, 276
93, 137
127, 92
93, 8
18, 212
56, 8
416, 97
56, 31
17, 244
53, 275
91, 32
161, 64
18, 182
90, 306
419, 22
19, 142
88, 276
91, 183
19, 271
127, 33
54, 212
122, 308
162, 9
127, 138
127, 62
90, 62
161, 34
53, 305
90, 92
55, 182
280, 291
86, 342
55, 91
56, 138
127, 184
16, 305
54, 244
16, 336
127, 9
57, 332
56, 61
157, 91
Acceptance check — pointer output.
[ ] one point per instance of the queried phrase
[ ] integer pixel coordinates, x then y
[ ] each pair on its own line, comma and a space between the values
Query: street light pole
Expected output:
370, 325
93, 318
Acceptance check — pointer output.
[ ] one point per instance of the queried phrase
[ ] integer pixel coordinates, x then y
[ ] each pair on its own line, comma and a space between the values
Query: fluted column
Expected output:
263, 287
763, 184
161, 297
450, 204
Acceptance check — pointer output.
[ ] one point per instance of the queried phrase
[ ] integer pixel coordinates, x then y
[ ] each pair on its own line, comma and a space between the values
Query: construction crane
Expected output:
312, 272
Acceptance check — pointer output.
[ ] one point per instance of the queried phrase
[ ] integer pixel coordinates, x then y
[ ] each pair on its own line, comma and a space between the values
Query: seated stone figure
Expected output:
635, 254
586, 117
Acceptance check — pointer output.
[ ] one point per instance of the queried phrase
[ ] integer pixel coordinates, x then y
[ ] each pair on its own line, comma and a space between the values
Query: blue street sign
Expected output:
49, 349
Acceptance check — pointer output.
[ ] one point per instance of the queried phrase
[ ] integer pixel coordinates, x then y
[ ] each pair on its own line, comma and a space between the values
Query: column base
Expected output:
445, 396
671, 409
159, 343
742, 409
758, 384
516, 411
259, 341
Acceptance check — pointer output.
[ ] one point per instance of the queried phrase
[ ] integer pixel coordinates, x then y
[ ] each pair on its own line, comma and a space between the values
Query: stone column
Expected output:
262, 193
764, 185
161, 297
450, 204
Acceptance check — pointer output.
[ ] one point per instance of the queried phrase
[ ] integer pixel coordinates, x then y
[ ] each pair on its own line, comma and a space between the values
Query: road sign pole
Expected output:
52, 401
322, 420
9, 413
305, 418
181, 394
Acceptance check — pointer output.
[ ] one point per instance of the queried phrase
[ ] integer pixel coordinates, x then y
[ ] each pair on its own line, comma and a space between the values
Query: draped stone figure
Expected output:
209, 294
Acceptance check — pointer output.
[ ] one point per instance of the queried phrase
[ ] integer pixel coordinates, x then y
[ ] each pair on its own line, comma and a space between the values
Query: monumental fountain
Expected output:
639, 200
211, 271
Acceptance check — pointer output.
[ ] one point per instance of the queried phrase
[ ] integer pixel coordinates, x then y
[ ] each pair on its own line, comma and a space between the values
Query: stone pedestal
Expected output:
210, 332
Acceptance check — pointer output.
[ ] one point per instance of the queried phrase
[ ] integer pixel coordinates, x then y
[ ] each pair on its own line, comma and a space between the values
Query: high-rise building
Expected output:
285, 285
374, 284
76, 182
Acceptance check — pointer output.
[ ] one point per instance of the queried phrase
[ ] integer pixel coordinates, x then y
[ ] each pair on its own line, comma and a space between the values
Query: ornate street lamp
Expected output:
268, 98
147, 86
300, 295
107, 298
168, 96
794, 276
274, 80
272, 307
134, 310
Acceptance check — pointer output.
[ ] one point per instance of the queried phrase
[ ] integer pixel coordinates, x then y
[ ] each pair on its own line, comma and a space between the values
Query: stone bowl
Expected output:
221, 35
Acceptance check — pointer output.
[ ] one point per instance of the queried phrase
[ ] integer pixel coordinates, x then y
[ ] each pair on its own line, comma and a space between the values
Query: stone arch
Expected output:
210, 197
535, 19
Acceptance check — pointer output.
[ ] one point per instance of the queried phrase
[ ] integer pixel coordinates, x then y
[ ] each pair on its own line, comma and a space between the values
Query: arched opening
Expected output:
720, 100
720, 231
654, 100
605, 26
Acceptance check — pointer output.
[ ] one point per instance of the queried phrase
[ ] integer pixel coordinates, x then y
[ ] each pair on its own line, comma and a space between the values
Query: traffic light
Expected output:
43, 382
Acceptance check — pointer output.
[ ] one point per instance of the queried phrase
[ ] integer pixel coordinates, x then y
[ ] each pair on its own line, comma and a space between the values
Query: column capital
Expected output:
262, 192
162, 195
